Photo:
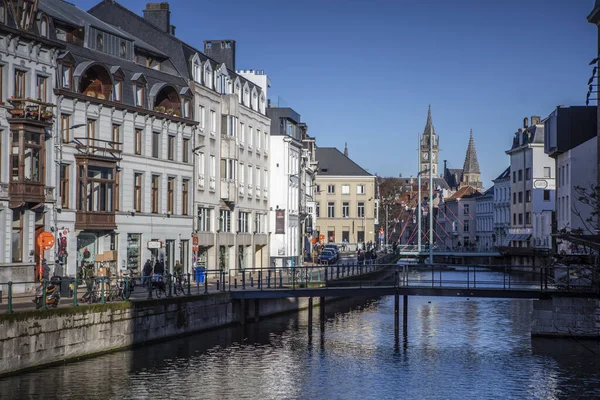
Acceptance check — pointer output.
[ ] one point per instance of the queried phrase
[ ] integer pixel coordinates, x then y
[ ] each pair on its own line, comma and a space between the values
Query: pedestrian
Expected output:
45, 270
178, 269
147, 271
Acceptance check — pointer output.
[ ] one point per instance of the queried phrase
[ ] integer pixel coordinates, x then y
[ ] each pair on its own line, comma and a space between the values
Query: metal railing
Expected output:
74, 291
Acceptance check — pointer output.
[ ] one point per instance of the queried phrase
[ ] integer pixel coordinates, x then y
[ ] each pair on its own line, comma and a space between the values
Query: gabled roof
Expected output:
333, 162
471, 165
465, 192
504, 175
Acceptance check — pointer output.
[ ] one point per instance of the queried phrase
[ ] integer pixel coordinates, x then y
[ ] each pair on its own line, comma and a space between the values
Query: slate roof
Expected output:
471, 165
453, 176
333, 162
488, 193
465, 192
504, 175
533, 134
429, 124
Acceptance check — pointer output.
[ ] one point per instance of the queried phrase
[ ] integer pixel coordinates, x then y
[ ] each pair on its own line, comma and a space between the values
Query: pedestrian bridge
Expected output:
414, 251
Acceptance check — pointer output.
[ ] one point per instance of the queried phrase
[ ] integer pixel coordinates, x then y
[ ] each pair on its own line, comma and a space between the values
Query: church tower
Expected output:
428, 135
471, 175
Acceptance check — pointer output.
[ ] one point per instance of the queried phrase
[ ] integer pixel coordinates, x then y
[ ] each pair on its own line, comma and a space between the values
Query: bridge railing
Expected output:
15, 296
445, 249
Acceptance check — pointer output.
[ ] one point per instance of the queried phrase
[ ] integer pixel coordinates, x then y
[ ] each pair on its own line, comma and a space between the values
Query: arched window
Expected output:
96, 82
246, 95
197, 71
238, 89
254, 99
44, 27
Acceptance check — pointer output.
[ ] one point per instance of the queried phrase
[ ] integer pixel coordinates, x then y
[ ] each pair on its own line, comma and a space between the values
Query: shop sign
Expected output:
540, 184
155, 244
279, 221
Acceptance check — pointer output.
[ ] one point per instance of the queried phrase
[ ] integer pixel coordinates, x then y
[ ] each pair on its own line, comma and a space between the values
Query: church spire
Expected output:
471, 165
346, 149
429, 125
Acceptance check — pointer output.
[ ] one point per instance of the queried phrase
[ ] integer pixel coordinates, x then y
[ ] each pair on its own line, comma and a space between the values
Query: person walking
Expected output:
147, 271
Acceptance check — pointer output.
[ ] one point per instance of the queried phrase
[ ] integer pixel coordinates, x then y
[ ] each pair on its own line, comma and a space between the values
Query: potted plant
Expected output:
159, 109
170, 111
47, 115
177, 113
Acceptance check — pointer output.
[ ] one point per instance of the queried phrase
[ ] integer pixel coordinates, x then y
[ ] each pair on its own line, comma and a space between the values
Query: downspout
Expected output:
58, 162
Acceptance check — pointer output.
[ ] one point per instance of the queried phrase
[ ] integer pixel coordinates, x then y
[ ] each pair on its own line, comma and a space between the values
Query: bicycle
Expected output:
179, 286
159, 286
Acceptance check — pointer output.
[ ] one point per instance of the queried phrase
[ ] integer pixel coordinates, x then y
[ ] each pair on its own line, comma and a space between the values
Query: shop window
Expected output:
331, 236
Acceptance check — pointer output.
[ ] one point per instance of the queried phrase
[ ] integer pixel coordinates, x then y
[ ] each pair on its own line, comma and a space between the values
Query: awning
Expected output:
519, 237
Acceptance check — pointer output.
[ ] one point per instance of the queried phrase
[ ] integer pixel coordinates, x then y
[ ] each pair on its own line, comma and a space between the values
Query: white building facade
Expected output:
532, 189
502, 208
485, 220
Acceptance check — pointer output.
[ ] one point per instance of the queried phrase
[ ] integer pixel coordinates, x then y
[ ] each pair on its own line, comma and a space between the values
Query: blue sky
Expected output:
364, 71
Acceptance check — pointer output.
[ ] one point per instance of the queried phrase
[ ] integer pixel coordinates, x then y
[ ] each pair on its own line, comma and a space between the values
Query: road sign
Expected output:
313, 240
45, 240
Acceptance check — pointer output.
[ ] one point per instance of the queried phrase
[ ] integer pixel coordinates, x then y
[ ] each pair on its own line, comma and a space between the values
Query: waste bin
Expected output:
63, 282
200, 274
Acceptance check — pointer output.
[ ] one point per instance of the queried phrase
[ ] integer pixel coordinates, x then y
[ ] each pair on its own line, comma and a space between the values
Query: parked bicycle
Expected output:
159, 286
179, 285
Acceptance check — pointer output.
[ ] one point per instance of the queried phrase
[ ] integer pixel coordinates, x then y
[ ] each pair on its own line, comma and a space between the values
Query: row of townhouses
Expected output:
129, 144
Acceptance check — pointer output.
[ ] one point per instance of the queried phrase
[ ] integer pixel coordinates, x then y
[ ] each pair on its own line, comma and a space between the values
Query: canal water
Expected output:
456, 348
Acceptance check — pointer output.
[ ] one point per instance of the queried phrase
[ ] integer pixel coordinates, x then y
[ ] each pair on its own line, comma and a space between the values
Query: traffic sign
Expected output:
45, 240
313, 240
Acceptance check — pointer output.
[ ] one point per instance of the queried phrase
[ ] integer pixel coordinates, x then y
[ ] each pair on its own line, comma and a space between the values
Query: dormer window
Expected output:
262, 103
96, 82
208, 75
118, 91
197, 71
44, 27
139, 95
187, 108
100, 42
246, 96
67, 76
123, 50
254, 99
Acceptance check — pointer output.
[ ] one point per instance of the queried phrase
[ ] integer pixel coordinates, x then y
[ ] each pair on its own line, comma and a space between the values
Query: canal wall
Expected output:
37, 338
566, 317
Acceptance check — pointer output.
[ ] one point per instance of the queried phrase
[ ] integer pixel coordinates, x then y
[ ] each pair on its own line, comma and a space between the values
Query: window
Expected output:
156, 144
117, 188
242, 133
41, 88
20, 84
170, 195
528, 218
266, 141
520, 175
243, 218
520, 219
64, 186
228, 168
171, 148
258, 139
213, 122
213, 172
26, 157
185, 201
514, 219
466, 209
138, 141
547, 172
17, 237
331, 209
116, 136
345, 189
137, 192
528, 196
123, 50
65, 124
117, 91
100, 42
514, 176
361, 209
318, 188
187, 108
546, 195
204, 218
520, 197
330, 189
155, 183
527, 173
231, 125
331, 236
318, 210
2, 12
139, 96
514, 198
345, 209
186, 150
202, 117
67, 76
225, 221
91, 130
250, 136
96, 188
360, 189
43, 27
466, 225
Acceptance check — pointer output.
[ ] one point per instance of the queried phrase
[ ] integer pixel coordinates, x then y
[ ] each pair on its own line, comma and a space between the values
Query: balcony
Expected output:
229, 147
31, 110
4, 190
229, 190
86, 220
26, 192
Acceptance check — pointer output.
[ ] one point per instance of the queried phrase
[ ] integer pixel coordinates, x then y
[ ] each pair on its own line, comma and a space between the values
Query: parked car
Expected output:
335, 249
328, 256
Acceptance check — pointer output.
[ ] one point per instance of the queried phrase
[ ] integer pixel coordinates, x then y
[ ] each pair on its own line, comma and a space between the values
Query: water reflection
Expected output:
455, 349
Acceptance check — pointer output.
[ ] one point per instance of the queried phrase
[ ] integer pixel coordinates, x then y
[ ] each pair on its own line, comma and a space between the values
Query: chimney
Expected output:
222, 51
535, 120
173, 30
346, 149
445, 162
525, 123
158, 14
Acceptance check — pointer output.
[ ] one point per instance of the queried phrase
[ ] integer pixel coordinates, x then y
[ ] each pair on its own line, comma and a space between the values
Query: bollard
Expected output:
235, 283
75, 304
102, 291
218, 284
9, 308
44, 305
189, 284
